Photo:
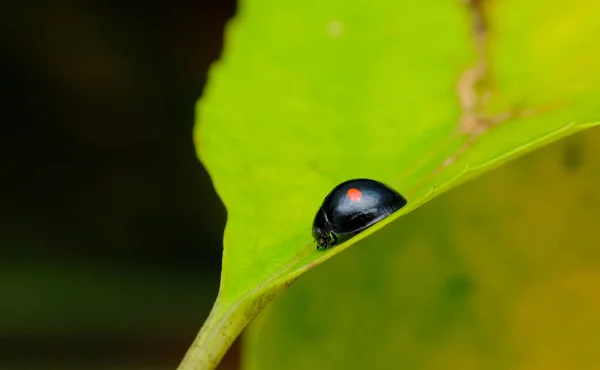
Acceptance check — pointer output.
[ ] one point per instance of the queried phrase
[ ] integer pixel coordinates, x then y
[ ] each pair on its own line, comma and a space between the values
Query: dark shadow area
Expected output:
110, 228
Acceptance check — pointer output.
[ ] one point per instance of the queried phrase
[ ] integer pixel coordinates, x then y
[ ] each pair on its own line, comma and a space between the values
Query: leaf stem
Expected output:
218, 333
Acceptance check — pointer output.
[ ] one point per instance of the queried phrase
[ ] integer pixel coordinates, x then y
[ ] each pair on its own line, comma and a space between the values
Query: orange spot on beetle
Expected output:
354, 194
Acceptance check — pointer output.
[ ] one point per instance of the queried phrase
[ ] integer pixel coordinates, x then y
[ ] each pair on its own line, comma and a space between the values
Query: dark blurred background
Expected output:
110, 229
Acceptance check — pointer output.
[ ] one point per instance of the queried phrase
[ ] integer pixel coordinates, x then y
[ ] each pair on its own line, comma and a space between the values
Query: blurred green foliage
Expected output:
110, 229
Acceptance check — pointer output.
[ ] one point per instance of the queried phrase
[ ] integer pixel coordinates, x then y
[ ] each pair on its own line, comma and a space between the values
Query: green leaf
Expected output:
415, 94
501, 273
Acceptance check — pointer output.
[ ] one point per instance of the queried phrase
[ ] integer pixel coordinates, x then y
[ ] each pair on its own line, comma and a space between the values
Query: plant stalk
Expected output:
217, 334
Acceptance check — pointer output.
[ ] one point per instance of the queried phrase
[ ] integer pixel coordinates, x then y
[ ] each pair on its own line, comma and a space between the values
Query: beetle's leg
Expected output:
333, 238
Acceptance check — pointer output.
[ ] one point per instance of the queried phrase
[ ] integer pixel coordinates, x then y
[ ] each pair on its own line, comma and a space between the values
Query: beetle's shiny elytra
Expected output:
351, 207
